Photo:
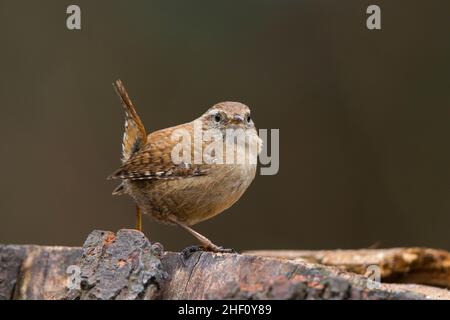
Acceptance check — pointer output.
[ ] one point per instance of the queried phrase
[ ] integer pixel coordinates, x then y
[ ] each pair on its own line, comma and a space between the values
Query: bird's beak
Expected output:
237, 119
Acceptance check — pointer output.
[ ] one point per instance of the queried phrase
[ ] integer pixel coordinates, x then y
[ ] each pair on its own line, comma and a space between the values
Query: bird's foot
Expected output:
186, 253
219, 249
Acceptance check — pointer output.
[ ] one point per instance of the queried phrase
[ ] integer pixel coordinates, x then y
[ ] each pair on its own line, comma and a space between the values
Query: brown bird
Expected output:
186, 192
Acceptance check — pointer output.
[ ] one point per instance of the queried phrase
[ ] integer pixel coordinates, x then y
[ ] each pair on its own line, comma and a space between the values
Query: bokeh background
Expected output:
363, 116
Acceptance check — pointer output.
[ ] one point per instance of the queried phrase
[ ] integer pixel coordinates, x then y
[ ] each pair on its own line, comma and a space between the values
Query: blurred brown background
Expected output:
363, 116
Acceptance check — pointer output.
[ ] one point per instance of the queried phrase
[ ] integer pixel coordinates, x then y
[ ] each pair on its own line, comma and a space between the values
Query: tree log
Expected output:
400, 265
127, 266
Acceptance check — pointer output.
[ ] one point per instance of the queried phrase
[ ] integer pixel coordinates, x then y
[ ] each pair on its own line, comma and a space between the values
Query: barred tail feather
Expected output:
134, 136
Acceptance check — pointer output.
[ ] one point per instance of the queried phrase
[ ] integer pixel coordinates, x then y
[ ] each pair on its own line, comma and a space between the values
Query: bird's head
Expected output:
228, 115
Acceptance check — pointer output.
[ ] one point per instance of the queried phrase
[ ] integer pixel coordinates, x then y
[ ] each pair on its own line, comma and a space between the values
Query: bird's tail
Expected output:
134, 136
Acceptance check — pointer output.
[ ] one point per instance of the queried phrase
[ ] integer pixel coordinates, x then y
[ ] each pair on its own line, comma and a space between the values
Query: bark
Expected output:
127, 266
399, 265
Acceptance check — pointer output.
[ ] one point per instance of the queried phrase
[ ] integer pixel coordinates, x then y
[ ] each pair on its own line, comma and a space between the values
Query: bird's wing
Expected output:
154, 161
134, 137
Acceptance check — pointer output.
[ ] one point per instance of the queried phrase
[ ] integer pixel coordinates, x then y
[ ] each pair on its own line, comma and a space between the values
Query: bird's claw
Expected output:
186, 253
222, 250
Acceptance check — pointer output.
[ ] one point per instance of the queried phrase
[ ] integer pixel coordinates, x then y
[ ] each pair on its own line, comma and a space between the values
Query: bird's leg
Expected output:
207, 244
138, 218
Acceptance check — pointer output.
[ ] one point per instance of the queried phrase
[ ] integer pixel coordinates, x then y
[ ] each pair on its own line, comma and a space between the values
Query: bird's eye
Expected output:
217, 117
249, 118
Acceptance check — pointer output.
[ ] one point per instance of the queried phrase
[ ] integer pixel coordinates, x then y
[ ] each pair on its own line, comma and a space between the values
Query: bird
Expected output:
186, 192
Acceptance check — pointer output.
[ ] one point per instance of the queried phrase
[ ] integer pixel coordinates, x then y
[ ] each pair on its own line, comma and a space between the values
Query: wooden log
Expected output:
399, 265
127, 266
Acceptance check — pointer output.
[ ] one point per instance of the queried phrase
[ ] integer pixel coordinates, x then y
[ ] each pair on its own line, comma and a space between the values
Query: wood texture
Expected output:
127, 266
399, 265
